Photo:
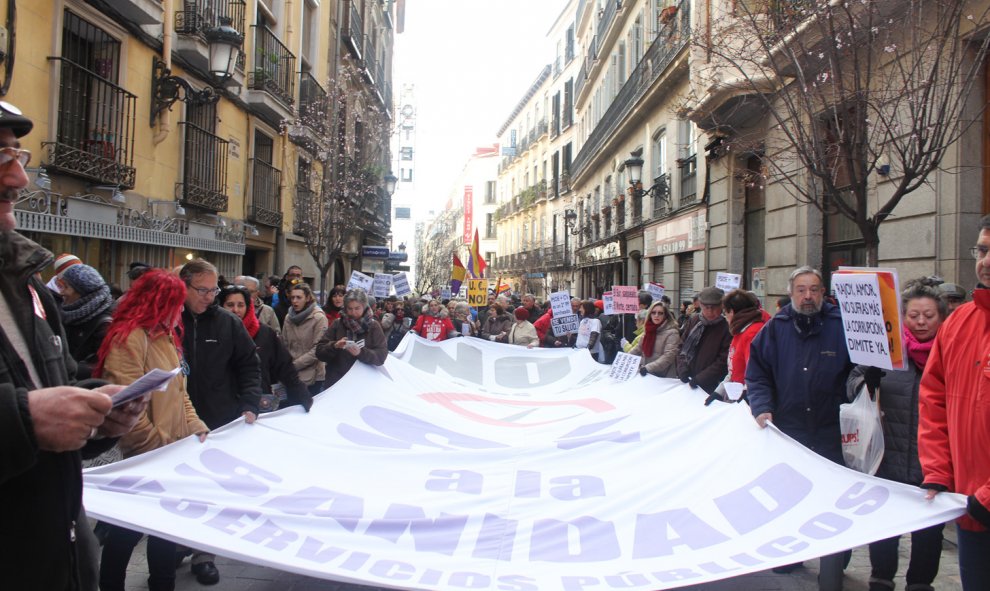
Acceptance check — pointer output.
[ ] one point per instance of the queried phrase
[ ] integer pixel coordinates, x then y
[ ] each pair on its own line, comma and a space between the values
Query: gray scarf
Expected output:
300, 317
690, 347
87, 307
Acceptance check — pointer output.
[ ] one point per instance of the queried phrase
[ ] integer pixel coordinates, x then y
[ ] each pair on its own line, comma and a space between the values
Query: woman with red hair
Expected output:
146, 334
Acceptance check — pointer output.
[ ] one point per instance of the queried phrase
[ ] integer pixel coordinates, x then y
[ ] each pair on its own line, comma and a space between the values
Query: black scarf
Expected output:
87, 307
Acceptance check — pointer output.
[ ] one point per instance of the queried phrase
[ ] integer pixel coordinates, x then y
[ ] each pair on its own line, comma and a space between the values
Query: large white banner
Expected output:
473, 465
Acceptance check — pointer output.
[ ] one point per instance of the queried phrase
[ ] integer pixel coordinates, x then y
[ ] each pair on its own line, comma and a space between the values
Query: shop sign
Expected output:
680, 234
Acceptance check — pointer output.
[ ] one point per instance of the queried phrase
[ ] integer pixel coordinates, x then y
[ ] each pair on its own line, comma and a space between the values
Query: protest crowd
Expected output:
246, 346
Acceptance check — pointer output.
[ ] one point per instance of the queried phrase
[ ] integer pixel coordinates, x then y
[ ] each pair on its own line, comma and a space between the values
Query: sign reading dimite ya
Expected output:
474, 465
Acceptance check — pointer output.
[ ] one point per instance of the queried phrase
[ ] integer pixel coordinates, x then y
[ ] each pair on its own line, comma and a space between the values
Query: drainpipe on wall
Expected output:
164, 119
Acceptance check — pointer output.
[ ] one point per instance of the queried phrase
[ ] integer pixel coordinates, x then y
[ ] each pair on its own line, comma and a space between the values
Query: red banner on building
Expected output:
468, 213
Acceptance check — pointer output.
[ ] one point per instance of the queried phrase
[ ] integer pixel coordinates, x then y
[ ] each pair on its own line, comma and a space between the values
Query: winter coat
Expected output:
277, 367
300, 339
797, 371
339, 361
739, 348
41, 491
170, 415
663, 362
710, 362
84, 341
899, 407
266, 316
495, 325
522, 333
434, 328
224, 369
954, 418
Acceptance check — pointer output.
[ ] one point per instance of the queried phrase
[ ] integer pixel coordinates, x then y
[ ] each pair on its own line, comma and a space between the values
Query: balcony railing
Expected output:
581, 80
274, 66
313, 104
95, 137
354, 30
204, 179
661, 196
607, 16
637, 211
688, 172
671, 39
304, 198
266, 190
199, 16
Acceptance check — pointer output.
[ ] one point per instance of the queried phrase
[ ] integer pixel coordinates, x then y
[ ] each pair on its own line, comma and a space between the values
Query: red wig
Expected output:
153, 303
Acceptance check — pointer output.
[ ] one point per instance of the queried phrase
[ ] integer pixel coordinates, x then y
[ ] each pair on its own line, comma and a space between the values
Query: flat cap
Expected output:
711, 296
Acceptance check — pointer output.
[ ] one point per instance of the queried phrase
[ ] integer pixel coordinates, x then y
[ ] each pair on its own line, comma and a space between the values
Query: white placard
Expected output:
445, 293
733, 390
862, 318
727, 281
359, 280
625, 366
656, 290
466, 329
608, 303
401, 284
563, 325
382, 286
560, 303
625, 299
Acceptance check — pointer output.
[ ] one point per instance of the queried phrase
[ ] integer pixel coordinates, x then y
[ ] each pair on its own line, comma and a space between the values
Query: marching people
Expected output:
335, 305
499, 321
746, 318
293, 275
86, 306
923, 312
275, 359
796, 378
355, 336
954, 419
263, 312
433, 325
702, 360
48, 425
589, 331
462, 320
144, 336
304, 325
953, 294
224, 380
637, 333
522, 331
659, 343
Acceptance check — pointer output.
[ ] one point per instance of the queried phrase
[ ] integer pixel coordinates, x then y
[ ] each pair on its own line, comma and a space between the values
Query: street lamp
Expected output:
224, 45
659, 190
390, 181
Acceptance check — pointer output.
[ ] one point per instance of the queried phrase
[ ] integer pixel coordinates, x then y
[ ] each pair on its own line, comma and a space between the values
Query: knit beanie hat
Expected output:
521, 313
64, 261
83, 278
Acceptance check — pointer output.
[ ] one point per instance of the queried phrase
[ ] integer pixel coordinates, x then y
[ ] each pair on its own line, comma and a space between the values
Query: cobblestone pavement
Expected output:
238, 576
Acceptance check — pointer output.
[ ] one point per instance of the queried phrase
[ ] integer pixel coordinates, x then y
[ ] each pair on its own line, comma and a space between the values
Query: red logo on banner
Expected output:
468, 213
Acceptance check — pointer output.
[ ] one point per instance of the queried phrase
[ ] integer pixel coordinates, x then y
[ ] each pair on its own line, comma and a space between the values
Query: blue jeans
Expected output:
974, 568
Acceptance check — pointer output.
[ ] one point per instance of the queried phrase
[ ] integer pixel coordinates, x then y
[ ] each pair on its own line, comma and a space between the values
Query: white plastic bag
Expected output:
862, 433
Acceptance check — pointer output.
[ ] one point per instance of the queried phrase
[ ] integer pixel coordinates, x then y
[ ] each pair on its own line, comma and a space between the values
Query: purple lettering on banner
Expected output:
587, 434
766, 498
430, 577
440, 535
132, 485
465, 580
625, 580
314, 550
825, 525
398, 430
392, 569
527, 484
233, 474
746, 559
596, 540
355, 561
496, 538
571, 488
229, 520
780, 547
578, 583
185, 507
271, 535
674, 575
321, 502
512, 372
866, 502
516, 583
462, 481
654, 530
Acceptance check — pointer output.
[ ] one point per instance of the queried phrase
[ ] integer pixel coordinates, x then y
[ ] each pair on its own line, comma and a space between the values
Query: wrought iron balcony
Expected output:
266, 190
95, 128
204, 179
607, 16
313, 104
274, 66
198, 16
354, 27
661, 196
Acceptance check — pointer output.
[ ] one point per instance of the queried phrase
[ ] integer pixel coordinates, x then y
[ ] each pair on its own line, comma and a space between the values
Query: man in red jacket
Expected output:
954, 419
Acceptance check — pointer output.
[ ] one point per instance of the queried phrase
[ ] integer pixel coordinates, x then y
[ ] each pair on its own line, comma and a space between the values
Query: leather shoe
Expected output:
206, 573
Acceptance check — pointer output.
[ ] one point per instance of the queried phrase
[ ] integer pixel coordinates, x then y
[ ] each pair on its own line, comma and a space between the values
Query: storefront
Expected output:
601, 267
674, 247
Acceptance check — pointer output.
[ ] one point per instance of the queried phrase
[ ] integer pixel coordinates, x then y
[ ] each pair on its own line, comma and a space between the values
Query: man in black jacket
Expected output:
44, 422
224, 380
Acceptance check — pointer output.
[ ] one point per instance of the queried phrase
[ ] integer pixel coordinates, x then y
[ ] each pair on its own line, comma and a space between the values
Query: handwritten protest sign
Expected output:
608, 303
401, 284
624, 367
445, 293
562, 325
727, 281
477, 292
382, 285
560, 303
359, 280
862, 319
625, 299
890, 299
656, 290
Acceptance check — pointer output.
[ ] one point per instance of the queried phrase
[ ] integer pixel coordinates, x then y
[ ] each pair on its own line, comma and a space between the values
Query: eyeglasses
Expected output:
205, 290
979, 251
8, 155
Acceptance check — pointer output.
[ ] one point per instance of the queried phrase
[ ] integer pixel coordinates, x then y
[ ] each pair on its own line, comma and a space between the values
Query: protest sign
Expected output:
445, 293
506, 468
727, 281
624, 367
560, 303
625, 299
862, 319
477, 294
608, 303
656, 290
562, 325
890, 299
401, 284
382, 285
359, 280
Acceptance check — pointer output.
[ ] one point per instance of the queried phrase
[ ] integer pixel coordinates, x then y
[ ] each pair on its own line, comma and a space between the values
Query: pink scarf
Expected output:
916, 350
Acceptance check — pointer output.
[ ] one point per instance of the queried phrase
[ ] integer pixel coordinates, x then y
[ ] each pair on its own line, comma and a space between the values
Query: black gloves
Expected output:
686, 379
712, 398
642, 370
872, 377
977, 511
693, 383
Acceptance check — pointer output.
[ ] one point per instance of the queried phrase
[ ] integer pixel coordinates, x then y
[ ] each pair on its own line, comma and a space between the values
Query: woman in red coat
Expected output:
746, 318
433, 326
